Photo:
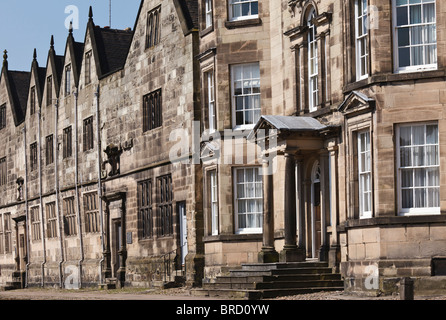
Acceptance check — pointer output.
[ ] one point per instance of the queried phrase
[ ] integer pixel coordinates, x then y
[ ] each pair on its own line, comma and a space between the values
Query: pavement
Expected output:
175, 294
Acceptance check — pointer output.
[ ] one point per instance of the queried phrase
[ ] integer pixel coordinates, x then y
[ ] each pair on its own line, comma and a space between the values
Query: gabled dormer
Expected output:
16, 86
72, 64
109, 47
53, 76
36, 86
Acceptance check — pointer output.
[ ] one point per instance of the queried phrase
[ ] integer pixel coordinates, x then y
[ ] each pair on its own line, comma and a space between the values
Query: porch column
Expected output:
268, 253
325, 204
290, 253
334, 251
300, 205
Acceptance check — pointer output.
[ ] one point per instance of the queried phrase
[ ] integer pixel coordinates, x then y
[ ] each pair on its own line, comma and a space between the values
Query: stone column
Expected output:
325, 204
334, 251
290, 252
268, 254
300, 205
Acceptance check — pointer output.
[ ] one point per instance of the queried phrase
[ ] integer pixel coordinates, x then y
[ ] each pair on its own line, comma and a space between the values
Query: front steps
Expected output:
269, 280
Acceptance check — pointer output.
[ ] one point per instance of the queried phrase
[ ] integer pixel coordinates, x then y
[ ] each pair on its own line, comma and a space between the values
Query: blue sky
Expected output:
29, 24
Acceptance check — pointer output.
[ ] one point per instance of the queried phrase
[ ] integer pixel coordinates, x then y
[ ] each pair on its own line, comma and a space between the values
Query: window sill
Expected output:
206, 31
233, 24
394, 77
233, 238
395, 220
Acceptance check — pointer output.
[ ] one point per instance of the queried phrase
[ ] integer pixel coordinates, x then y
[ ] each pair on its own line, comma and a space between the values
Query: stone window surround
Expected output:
3, 116
3, 172
207, 197
298, 37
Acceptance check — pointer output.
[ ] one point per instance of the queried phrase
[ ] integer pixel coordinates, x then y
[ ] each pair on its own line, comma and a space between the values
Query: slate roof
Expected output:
113, 46
19, 84
190, 8
291, 123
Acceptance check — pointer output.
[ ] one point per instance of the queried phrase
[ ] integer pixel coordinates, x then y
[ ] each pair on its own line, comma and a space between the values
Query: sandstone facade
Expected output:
357, 150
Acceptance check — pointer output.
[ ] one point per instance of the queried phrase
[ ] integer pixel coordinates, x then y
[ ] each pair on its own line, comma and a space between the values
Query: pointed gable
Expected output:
39, 74
76, 50
356, 102
110, 47
17, 87
54, 67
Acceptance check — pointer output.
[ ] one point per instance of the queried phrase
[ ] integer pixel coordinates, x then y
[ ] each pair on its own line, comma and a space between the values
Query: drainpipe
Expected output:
25, 192
76, 151
98, 136
56, 187
42, 221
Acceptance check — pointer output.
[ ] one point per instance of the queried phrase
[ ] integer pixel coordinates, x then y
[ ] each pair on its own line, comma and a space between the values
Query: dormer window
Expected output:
49, 90
3, 116
153, 27
33, 101
88, 68
68, 80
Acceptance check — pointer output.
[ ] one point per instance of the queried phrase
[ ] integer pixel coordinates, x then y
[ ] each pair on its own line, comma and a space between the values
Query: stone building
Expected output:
316, 127
88, 193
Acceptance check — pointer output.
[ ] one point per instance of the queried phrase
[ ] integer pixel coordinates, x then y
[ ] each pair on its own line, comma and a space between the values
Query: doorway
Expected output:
183, 230
116, 246
315, 226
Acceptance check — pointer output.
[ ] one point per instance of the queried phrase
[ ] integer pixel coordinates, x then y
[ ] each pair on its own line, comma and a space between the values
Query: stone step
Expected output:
259, 294
274, 285
281, 278
283, 265
283, 271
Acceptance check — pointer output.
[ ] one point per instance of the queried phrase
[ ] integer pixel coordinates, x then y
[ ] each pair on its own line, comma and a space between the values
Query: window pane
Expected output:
415, 14
403, 37
401, 16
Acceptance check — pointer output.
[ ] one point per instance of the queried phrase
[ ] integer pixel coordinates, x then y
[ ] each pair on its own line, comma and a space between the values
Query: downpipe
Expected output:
56, 187
42, 221
76, 182
98, 136
27, 225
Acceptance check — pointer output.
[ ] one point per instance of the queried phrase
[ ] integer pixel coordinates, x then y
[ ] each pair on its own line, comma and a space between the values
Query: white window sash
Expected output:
424, 44
258, 215
413, 210
313, 77
360, 73
234, 17
365, 175
211, 101
214, 202
208, 13
255, 110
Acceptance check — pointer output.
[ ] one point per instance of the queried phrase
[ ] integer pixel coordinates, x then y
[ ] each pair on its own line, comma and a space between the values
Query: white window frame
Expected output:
213, 200
396, 27
232, 3
361, 40
212, 112
413, 210
209, 16
248, 229
313, 63
365, 191
234, 96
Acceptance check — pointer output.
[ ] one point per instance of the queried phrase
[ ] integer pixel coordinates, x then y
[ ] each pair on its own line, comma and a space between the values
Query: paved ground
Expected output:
179, 294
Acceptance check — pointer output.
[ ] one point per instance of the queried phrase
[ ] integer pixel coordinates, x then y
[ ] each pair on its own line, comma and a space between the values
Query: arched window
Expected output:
313, 69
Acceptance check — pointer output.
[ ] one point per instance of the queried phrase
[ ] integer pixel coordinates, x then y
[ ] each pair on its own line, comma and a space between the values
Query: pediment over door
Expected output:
355, 103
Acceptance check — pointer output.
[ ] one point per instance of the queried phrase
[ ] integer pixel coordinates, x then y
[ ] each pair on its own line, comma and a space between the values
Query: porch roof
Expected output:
287, 123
